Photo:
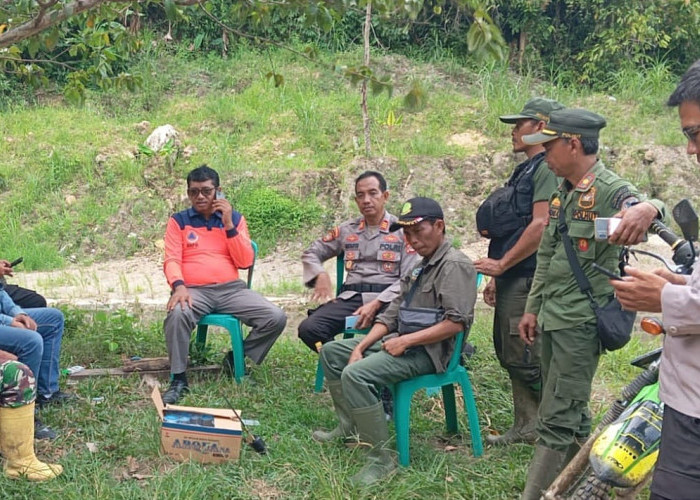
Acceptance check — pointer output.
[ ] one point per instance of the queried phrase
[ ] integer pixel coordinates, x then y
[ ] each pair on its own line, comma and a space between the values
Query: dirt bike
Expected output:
620, 454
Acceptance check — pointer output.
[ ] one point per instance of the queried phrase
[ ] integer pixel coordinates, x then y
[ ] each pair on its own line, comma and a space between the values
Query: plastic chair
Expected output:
348, 333
230, 323
455, 374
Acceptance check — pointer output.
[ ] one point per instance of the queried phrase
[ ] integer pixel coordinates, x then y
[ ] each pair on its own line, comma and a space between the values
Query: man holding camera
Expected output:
556, 307
677, 297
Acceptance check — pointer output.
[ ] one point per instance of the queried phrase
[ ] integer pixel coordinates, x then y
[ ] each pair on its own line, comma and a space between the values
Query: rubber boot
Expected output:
346, 426
373, 429
525, 403
545, 467
17, 445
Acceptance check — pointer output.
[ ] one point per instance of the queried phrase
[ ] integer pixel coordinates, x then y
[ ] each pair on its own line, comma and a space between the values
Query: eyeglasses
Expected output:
691, 132
206, 191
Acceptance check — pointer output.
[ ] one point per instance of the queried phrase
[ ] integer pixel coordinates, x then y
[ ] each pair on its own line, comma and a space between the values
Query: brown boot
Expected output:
17, 446
544, 468
525, 404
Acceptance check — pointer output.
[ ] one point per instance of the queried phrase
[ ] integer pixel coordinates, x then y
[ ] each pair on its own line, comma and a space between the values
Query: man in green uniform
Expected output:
444, 280
556, 307
522, 206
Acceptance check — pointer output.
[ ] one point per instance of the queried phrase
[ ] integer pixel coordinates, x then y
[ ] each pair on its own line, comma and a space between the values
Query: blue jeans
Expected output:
38, 349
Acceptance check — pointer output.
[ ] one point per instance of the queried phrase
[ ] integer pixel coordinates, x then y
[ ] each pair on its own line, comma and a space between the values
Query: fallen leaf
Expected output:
92, 447
449, 448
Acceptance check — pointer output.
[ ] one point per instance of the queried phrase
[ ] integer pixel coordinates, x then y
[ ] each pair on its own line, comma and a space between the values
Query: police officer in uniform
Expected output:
375, 259
556, 308
523, 210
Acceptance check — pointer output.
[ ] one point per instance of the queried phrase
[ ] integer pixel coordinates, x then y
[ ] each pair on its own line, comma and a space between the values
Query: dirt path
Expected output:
140, 281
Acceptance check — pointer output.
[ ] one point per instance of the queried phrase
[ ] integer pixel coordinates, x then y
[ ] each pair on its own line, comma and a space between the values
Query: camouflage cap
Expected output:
537, 108
568, 123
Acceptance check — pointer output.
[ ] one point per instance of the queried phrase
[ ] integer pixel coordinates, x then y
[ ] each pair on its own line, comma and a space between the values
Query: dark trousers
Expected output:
25, 298
677, 472
327, 321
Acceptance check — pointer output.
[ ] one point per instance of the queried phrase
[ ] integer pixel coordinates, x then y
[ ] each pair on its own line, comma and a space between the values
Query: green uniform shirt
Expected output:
545, 183
555, 296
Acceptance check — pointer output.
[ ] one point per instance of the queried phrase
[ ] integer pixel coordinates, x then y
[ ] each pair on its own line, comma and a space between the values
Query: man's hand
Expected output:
639, 290
673, 278
635, 223
7, 356
322, 289
396, 346
180, 296
224, 206
489, 267
5, 269
490, 293
527, 328
366, 313
23, 321
356, 355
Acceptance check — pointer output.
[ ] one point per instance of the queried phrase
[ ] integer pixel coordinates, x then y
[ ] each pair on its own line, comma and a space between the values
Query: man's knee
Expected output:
178, 321
278, 320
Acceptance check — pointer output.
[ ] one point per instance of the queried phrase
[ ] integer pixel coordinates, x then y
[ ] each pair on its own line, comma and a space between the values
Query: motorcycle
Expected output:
621, 453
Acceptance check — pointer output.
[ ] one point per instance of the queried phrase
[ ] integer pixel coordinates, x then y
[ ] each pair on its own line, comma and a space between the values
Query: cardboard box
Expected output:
206, 435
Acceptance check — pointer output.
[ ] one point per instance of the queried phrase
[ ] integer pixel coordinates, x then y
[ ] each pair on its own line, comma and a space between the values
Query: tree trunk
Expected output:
522, 43
365, 111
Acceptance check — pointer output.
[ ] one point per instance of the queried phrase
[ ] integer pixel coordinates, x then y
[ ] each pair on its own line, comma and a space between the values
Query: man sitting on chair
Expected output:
443, 284
375, 259
205, 246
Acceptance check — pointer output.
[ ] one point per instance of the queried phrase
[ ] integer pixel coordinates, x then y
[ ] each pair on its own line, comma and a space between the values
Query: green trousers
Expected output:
521, 361
569, 361
377, 368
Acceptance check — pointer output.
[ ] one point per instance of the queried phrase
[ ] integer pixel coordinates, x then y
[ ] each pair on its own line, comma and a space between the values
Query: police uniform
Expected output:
570, 344
375, 259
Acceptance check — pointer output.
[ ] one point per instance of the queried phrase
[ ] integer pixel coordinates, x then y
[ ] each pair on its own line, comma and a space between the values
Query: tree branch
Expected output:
41, 21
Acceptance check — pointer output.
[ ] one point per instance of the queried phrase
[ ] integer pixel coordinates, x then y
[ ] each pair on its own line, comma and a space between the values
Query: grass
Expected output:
71, 182
126, 462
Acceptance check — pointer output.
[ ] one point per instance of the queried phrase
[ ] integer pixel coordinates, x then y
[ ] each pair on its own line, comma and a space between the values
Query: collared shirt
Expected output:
555, 297
8, 309
200, 251
371, 257
447, 280
680, 361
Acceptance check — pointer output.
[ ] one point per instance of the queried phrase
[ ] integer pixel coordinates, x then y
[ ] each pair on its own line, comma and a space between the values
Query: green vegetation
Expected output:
127, 462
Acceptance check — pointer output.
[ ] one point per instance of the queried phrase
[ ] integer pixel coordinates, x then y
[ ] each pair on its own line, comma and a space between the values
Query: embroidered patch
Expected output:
352, 237
583, 244
391, 238
620, 195
388, 256
349, 264
587, 215
352, 246
350, 255
586, 181
406, 208
332, 234
388, 267
587, 199
416, 272
554, 208
192, 239
384, 226
393, 247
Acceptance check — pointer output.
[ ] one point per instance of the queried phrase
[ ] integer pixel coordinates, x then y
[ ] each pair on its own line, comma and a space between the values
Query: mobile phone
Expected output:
220, 195
16, 261
605, 226
606, 272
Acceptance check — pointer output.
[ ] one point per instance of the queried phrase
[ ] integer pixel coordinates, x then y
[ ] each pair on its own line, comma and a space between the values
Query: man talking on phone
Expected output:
677, 471
205, 246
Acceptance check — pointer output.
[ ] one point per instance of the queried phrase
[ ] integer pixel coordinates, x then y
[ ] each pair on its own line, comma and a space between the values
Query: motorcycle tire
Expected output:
593, 489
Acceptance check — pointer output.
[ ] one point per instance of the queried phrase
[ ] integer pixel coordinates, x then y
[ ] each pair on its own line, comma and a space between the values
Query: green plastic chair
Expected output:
455, 374
348, 333
230, 323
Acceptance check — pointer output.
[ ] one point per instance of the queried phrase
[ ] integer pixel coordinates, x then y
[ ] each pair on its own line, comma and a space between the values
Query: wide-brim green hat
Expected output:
568, 124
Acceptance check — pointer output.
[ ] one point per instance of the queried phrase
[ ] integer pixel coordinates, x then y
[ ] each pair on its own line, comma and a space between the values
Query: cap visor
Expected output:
512, 118
395, 226
538, 138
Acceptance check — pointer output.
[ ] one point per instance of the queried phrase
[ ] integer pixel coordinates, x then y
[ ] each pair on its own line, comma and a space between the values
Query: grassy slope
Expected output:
70, 184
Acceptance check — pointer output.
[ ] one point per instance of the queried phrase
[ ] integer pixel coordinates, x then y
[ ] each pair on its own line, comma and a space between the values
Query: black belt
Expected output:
364, 288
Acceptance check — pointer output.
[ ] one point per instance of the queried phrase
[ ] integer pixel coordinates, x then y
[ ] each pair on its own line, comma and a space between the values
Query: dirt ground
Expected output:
139, 282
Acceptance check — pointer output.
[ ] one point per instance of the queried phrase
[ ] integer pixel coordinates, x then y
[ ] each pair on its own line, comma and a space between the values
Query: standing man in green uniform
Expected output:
511, 261
444, 280
556, 308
